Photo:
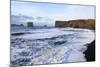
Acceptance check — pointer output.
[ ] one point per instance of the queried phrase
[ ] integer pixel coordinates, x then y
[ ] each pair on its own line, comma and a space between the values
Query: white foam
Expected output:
70, 51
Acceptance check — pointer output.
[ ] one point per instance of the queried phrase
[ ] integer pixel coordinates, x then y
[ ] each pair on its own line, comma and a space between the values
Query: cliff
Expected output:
81, 23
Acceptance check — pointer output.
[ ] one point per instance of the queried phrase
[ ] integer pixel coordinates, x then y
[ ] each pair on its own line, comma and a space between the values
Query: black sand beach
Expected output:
90, 52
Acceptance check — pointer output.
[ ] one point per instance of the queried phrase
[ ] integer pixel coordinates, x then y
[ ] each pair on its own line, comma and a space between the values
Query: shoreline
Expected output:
90, 52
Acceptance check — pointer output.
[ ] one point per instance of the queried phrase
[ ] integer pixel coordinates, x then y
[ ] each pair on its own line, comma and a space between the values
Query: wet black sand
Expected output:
90, 52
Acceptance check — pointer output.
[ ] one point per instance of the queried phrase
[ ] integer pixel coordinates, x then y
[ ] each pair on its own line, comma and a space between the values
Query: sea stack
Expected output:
30, 24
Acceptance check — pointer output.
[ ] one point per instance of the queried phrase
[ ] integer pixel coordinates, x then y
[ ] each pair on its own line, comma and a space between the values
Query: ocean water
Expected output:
47, 46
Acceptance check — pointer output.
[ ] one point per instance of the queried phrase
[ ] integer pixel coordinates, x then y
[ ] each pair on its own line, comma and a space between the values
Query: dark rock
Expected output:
90, 52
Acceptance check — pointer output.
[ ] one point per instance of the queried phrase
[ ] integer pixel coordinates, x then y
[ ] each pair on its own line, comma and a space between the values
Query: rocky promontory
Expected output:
79, 23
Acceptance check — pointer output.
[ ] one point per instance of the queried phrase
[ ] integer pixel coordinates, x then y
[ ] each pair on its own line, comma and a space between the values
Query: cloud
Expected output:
52, 11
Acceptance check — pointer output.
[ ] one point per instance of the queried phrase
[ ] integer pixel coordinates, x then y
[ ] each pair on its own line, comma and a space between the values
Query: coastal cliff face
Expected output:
83, 23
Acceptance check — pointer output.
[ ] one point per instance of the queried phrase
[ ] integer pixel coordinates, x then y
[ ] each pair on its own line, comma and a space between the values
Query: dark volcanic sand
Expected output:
90, 52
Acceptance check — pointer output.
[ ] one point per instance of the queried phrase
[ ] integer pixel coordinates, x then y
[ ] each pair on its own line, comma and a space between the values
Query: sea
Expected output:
31, 46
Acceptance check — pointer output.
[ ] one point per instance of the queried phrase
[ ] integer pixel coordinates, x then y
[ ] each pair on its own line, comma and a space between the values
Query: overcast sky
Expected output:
52, 11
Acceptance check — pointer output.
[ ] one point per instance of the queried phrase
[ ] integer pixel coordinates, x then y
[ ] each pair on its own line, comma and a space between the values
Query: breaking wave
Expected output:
46, 46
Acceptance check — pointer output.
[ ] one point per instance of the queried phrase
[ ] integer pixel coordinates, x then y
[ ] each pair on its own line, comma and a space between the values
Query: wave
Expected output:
46, 46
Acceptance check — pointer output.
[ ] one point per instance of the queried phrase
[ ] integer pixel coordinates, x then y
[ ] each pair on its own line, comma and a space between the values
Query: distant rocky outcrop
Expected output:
81, 23
30, 24
17, 25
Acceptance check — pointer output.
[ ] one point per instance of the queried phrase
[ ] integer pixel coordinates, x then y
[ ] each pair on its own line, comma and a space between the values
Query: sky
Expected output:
48, 13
